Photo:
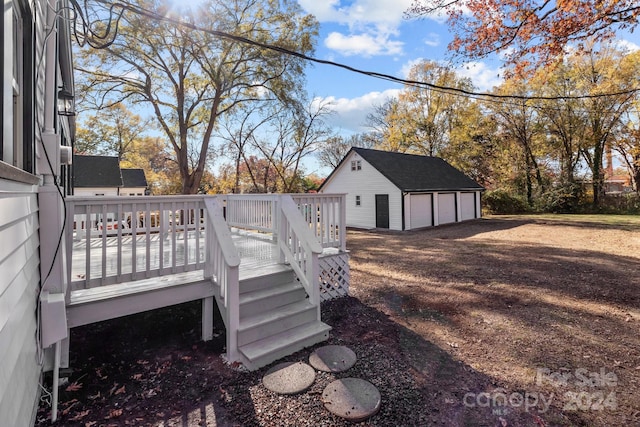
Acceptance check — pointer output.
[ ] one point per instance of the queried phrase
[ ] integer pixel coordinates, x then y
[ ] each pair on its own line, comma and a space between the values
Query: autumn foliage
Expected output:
529, 33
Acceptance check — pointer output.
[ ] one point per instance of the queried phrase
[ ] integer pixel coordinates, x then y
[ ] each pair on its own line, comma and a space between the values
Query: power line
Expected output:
107, 39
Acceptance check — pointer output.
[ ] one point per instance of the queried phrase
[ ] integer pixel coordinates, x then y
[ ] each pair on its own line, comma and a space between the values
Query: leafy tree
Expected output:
628, 145
294, 134
335, 148
161, 170
607, 71
519, 126
473, 147
191, 78
529, 33
111, 131
421, 119
563, 118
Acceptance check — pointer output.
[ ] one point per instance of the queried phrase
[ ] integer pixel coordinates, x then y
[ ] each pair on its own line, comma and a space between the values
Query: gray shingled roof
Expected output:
413, 173
96, 171
133, 178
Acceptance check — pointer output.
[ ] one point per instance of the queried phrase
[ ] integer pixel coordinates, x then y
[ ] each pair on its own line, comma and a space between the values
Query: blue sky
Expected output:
373, 35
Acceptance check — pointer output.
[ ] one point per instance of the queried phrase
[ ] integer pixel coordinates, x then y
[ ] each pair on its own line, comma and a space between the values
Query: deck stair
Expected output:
276, 316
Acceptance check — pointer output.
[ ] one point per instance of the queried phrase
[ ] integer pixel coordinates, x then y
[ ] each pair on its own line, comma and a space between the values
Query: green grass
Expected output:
627, 222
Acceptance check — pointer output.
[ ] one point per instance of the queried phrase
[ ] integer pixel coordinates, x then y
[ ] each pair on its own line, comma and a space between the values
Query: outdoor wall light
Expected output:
66, 105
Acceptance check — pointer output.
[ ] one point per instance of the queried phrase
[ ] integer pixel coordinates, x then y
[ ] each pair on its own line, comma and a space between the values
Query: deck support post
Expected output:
207, 319
56, 382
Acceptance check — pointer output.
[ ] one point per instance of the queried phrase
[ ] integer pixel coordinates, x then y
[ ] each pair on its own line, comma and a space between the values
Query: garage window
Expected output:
357, 200
356, 165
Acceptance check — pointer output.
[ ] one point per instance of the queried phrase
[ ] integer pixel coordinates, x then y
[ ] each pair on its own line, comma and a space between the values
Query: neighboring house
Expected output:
102, 176
37, 134
402, 191
96, 176
134, 183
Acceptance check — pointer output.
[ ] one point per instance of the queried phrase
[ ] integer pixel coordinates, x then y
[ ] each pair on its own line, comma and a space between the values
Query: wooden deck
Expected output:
258, 252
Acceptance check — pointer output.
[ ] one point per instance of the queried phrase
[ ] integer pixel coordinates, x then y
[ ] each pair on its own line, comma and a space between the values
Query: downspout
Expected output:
52, 273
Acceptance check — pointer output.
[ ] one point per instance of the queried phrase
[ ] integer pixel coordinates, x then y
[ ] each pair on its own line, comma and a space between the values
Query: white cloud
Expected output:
628, 45
359, 12
351, 113
369, 22
363, 44
483, 77
433, 40
407, 66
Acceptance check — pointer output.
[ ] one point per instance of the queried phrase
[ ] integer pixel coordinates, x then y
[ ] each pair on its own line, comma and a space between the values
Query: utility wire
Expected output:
107, 39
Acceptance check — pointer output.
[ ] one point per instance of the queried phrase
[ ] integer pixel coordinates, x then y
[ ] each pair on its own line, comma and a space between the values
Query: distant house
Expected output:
37, 132
402, 191
102, 176
134, 182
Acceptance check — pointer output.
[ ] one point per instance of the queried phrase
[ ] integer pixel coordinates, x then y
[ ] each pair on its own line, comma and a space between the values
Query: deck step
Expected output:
267, 299
262, 352
261, 325
269, 276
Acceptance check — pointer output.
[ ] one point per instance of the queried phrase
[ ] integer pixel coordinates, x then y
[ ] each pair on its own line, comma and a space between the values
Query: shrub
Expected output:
565, 198
501, 201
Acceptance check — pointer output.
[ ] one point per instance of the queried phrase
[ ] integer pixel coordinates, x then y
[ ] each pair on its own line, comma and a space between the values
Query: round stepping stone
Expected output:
289, 378
332, 358
351, 398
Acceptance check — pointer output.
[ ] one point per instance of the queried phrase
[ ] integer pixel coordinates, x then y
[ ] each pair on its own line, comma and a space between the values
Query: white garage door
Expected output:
446, 208
468, 206
421, 214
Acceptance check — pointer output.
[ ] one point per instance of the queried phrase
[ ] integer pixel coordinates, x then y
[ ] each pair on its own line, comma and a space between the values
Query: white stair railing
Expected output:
299, 247
222, 267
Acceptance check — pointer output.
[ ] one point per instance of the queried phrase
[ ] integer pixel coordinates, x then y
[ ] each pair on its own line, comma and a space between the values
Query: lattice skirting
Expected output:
334, 276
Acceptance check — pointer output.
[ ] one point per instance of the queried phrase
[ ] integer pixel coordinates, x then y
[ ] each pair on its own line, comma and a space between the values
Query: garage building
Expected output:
402, 191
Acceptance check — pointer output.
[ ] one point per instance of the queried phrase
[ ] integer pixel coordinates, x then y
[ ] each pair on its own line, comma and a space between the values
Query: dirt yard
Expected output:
505, 321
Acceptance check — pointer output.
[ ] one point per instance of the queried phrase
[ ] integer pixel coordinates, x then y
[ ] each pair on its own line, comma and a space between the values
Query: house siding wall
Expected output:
19, 268
365, 183
92, 191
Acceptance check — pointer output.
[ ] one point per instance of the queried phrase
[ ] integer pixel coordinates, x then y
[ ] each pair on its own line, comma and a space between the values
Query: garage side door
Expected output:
421, 214
468, 206
446, 208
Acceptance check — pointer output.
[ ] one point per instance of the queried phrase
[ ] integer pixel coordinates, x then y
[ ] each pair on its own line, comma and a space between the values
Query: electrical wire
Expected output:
108, 39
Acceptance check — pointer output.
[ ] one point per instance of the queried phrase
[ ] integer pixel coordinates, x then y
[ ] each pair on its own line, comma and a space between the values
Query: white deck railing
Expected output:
326, 215
122, 239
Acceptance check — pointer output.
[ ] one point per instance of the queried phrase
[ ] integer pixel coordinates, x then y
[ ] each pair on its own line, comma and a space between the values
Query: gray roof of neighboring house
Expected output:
96, 171
133, 178
414, 173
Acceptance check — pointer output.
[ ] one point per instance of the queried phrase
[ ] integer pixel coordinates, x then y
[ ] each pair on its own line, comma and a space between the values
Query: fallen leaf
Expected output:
66, 411
80, 415
137, 377
114, 413
120, 390
74, 386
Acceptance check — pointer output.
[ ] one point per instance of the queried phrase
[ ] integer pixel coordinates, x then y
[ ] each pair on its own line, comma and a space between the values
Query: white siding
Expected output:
468, 206
365, 183
446, 208
19, 268
94, 191
419, 211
